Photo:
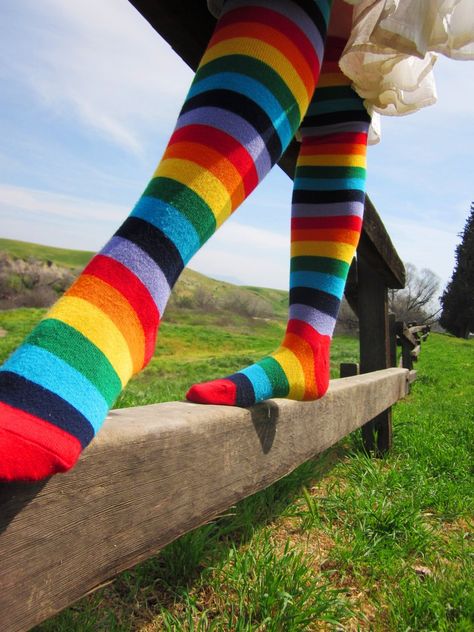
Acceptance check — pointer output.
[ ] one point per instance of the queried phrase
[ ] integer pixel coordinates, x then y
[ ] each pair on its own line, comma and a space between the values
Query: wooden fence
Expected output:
156, 472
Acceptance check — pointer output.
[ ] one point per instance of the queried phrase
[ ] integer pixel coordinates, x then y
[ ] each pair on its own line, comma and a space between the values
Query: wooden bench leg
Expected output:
375, 348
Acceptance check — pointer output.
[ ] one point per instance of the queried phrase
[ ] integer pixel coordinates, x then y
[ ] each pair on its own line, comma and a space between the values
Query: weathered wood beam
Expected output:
187, 26
153, 474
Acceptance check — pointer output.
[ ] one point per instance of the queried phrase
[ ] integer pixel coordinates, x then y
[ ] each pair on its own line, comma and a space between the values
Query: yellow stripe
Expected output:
329, 79
268, 55
331, 249
293, 371
202, 182
332, 160
92, 323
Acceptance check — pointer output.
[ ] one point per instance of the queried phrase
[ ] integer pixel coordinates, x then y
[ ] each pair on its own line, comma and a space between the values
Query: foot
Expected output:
299, 370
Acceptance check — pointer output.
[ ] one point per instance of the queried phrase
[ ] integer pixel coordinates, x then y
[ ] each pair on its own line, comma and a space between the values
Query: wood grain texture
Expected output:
187, 26
154, 473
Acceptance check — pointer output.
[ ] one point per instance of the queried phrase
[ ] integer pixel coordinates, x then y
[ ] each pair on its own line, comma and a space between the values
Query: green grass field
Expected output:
343, 543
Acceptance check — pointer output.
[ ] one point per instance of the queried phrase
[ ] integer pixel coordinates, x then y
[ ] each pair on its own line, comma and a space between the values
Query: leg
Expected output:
328, 202
251, 90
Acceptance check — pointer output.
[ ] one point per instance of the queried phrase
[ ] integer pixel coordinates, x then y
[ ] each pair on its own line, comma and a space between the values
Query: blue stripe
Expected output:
171, 222
55, 375
329, 184
252, 89
318, 281
260, 382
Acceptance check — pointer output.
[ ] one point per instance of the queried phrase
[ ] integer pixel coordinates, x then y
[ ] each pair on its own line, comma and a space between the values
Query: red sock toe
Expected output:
31, 448
217, 392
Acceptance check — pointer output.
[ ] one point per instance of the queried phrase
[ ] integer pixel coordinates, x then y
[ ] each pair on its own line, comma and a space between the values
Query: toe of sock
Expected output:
31, 448
21, 460
221, 392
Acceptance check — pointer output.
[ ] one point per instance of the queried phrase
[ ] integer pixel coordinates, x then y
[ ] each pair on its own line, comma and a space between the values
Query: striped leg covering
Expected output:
328, 203
252, 88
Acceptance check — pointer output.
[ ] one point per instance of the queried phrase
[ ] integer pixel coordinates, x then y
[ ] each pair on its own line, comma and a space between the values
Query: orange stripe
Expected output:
332, 148
118, 309
327, 234
303, 351
274, 38
214, 162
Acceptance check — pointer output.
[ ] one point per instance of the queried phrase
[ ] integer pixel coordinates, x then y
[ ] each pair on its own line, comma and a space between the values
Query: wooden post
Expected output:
392, 326
407, 359
374, 348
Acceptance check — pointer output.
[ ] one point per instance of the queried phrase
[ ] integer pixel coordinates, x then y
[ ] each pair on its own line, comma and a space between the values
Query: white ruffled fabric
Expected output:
392, 50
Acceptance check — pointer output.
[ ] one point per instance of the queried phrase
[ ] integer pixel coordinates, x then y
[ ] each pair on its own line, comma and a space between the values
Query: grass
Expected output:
345, 542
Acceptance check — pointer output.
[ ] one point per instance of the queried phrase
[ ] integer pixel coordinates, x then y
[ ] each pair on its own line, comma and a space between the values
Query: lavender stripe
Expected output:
323, 323
142, 266
327, 209
324, 130
235, 126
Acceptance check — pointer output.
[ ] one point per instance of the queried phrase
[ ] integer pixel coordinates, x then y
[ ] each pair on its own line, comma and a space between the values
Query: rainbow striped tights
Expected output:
252, 89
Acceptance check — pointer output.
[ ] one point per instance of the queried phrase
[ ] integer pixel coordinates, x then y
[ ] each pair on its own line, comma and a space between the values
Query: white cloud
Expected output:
98, 62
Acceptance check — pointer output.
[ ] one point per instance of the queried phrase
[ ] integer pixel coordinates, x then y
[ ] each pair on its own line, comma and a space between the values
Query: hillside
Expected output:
27, 269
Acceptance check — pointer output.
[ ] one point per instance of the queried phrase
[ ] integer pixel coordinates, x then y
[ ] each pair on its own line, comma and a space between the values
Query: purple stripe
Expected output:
235, 126
142, 266
327, 209
320, 321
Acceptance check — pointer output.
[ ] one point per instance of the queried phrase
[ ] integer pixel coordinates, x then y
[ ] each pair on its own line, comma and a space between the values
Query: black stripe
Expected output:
246, 108
245, 393
19, 392
327, 303
312, 9
326, 197
331, 118
152, 241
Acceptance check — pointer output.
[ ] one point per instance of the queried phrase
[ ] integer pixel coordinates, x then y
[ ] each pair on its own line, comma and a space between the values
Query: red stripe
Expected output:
352, 138
350, 222
32, 448
224, 144
123, 280
268, 17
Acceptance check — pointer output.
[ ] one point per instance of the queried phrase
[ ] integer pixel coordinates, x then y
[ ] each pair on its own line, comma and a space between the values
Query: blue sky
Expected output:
90, 94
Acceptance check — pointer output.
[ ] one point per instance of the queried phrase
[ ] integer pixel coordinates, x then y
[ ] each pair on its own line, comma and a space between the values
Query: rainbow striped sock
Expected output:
251, 90
328, 203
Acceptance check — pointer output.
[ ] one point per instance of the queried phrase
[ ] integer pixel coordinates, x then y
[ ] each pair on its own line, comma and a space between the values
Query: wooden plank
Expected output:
374, 341
154, 473
187, 26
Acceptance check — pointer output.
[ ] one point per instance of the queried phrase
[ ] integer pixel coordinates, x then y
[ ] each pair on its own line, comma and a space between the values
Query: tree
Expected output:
415, 302
458, 298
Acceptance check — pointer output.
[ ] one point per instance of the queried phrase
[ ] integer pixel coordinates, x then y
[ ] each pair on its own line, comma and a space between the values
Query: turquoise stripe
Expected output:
55, 375
329, 184
318, 281
260, 382
253, 90
336, 105
171, 222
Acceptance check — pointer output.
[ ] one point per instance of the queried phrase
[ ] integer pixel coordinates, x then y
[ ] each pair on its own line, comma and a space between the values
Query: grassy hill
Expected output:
193, 290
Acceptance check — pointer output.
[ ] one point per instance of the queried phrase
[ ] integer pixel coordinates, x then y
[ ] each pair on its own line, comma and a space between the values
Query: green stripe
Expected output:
70, 345
330, 172
335, 92
320, 264
277, 377
260, 72
189, 203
